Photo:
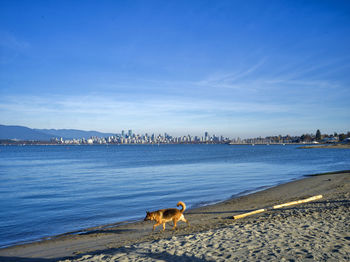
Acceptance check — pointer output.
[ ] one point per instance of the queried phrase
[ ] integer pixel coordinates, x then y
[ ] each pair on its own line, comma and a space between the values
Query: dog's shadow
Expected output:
219, 212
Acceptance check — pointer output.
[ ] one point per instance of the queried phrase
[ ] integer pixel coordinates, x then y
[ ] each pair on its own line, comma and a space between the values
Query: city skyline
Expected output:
19, 134
233, 68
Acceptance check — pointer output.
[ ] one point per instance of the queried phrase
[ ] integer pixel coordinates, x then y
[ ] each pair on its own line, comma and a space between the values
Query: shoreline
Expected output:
218, 216
91, 229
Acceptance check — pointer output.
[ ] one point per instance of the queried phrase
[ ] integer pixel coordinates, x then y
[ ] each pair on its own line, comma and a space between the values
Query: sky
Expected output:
232, 68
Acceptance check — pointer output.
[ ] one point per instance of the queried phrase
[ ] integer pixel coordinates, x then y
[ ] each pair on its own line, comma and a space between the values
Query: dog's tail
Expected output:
182, 204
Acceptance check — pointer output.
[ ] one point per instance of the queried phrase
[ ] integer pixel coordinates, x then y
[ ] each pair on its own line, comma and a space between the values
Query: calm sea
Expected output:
49, 190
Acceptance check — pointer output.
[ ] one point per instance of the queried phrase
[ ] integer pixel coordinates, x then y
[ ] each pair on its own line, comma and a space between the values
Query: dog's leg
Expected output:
163, 226
182, 218
155, 225
174, 221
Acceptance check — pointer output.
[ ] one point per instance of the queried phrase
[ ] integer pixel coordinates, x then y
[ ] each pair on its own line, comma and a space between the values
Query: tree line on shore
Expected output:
319, 137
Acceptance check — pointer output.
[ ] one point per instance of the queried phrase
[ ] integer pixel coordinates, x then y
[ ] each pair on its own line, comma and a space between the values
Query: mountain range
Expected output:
26, 133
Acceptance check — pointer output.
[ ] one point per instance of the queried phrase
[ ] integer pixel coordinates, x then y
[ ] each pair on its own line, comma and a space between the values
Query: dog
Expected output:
163, 216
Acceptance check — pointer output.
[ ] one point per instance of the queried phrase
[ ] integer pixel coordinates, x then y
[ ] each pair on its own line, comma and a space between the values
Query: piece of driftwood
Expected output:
249, 213
278, 206
298, 202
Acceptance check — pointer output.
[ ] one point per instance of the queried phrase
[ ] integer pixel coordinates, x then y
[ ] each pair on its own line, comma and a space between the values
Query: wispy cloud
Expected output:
300, 80
8, 40
161, 113
230, 80
115, 113
95, 105
11, 47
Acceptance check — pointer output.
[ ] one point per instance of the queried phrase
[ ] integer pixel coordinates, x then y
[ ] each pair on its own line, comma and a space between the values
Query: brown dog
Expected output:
166, 215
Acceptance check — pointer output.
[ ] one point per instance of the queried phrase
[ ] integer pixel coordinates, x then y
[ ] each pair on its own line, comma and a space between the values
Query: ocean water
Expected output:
50, 190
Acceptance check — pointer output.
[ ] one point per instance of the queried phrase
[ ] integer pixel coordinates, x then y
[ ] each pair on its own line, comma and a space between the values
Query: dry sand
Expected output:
315, 231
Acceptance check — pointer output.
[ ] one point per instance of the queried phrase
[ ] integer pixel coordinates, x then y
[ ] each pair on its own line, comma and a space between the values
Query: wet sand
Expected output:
314, 231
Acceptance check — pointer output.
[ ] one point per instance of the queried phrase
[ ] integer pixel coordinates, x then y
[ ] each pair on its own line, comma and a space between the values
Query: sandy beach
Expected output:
314, 231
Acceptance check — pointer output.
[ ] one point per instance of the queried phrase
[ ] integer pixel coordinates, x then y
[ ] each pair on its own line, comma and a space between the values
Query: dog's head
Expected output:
149, 216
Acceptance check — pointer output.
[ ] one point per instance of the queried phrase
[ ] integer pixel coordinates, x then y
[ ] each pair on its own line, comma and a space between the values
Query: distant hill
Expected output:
22, 133
25, 133
73, 133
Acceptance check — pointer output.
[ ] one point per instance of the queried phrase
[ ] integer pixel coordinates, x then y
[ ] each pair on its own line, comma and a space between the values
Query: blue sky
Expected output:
236, 68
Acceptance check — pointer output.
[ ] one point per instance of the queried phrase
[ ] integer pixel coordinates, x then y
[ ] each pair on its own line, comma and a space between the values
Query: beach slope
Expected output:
315, 231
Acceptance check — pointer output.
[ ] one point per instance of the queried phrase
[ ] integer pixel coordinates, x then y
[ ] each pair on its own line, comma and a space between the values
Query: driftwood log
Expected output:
278, 206
249, 213
298, 202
